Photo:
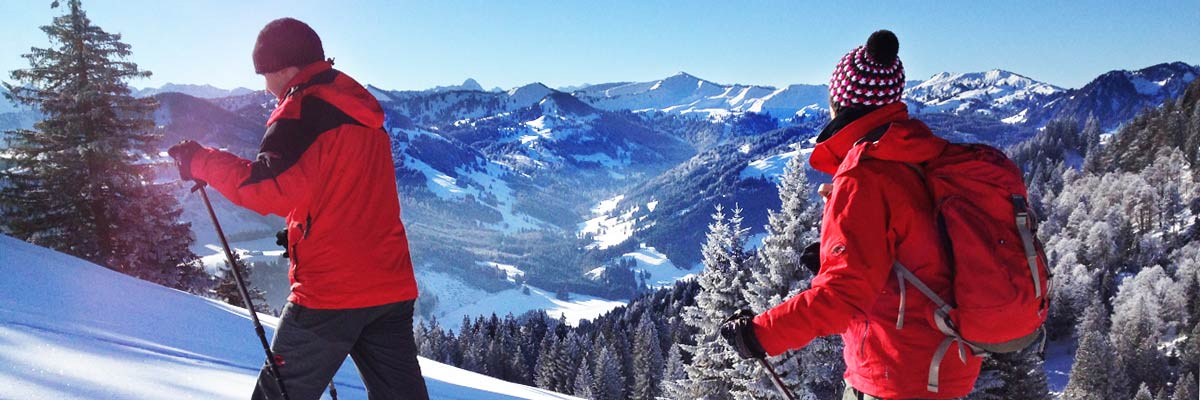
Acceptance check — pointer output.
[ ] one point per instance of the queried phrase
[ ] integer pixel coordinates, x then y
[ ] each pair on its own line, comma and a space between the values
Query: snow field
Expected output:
70, 329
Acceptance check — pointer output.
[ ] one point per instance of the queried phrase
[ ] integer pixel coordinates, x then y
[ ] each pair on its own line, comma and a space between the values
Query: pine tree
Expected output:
584, 380
1093, 375
1162, 395
554, 370
1015, 376
1137, 326
712, 371
1093, 160
77, 182
647, 361
1143, 393
227, 289
674, 375
1186, 388
609, 383
789, 230
817, 369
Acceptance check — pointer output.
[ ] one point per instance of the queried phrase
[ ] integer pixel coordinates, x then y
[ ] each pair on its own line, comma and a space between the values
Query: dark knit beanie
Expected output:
286, 42
870, 75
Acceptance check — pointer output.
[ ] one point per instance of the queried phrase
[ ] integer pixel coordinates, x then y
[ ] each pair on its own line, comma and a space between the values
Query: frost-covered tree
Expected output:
675, 375
1015, 376
816, 370
609, 376
551, 366
789, 230
647, 361
712, 373
1137, 326
1186, 388
583, 380
1093, 375
1143, 393
79, 181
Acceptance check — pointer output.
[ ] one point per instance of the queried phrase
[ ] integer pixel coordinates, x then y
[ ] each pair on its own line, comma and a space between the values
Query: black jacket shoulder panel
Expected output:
286, 140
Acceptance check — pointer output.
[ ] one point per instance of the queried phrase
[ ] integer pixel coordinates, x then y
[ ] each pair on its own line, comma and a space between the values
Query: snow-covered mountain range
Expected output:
685, 94
200, 91
526, 178
997, 93
71, 329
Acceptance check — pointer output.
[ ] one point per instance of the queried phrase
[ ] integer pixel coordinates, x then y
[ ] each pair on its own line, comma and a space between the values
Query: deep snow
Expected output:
70, 329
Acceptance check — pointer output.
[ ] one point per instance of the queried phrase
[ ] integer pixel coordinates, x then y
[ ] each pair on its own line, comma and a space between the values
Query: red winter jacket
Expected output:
326, 165
879, 211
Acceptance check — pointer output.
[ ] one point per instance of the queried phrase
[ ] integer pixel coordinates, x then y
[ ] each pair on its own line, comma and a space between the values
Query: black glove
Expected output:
738, 330
182, 153
811, 257
281, 240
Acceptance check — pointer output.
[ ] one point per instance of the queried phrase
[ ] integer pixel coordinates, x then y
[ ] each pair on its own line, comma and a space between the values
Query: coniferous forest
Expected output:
1119, 219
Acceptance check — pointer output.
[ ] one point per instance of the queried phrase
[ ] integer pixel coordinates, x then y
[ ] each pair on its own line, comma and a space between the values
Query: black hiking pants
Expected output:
313, 343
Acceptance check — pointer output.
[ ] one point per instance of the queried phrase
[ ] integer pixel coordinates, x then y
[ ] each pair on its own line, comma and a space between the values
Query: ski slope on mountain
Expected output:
70, 329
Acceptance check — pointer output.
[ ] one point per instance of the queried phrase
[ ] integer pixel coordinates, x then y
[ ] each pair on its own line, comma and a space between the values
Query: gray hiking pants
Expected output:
313, 343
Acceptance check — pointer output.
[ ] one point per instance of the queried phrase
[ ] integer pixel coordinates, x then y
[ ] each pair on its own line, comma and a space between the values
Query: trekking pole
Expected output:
237, 276
787, 394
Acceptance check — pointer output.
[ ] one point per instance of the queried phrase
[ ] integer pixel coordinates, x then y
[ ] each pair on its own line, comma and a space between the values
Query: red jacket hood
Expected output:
906, 140
341, 91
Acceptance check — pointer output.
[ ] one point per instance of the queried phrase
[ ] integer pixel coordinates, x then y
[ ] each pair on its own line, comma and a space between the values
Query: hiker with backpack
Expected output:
927, 258
325, 164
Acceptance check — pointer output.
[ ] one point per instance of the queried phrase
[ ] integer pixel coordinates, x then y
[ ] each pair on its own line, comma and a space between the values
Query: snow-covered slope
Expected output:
1115, 97
70, 329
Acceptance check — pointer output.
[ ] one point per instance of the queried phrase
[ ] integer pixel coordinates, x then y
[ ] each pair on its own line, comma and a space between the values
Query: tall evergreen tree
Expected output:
817, 369
1143, 393
674, 375
550, 372
1093, 159
712, 371
789, 230
1186, 388
647, 361
609, 376
78, 181
584, 380
1093, 375
1137, 326
227, 290
1016, 376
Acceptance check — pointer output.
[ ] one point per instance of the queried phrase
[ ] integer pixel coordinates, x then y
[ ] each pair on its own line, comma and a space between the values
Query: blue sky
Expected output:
417, 45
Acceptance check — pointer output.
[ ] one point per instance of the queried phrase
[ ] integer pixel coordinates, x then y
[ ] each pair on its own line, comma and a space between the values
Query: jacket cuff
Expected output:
199, 161
772, 343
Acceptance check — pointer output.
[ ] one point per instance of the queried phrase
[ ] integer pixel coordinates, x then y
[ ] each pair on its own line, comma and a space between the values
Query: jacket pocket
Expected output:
296, 235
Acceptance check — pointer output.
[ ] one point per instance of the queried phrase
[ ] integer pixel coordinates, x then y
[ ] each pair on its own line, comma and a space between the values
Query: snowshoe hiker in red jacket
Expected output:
326, 165
877, 212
